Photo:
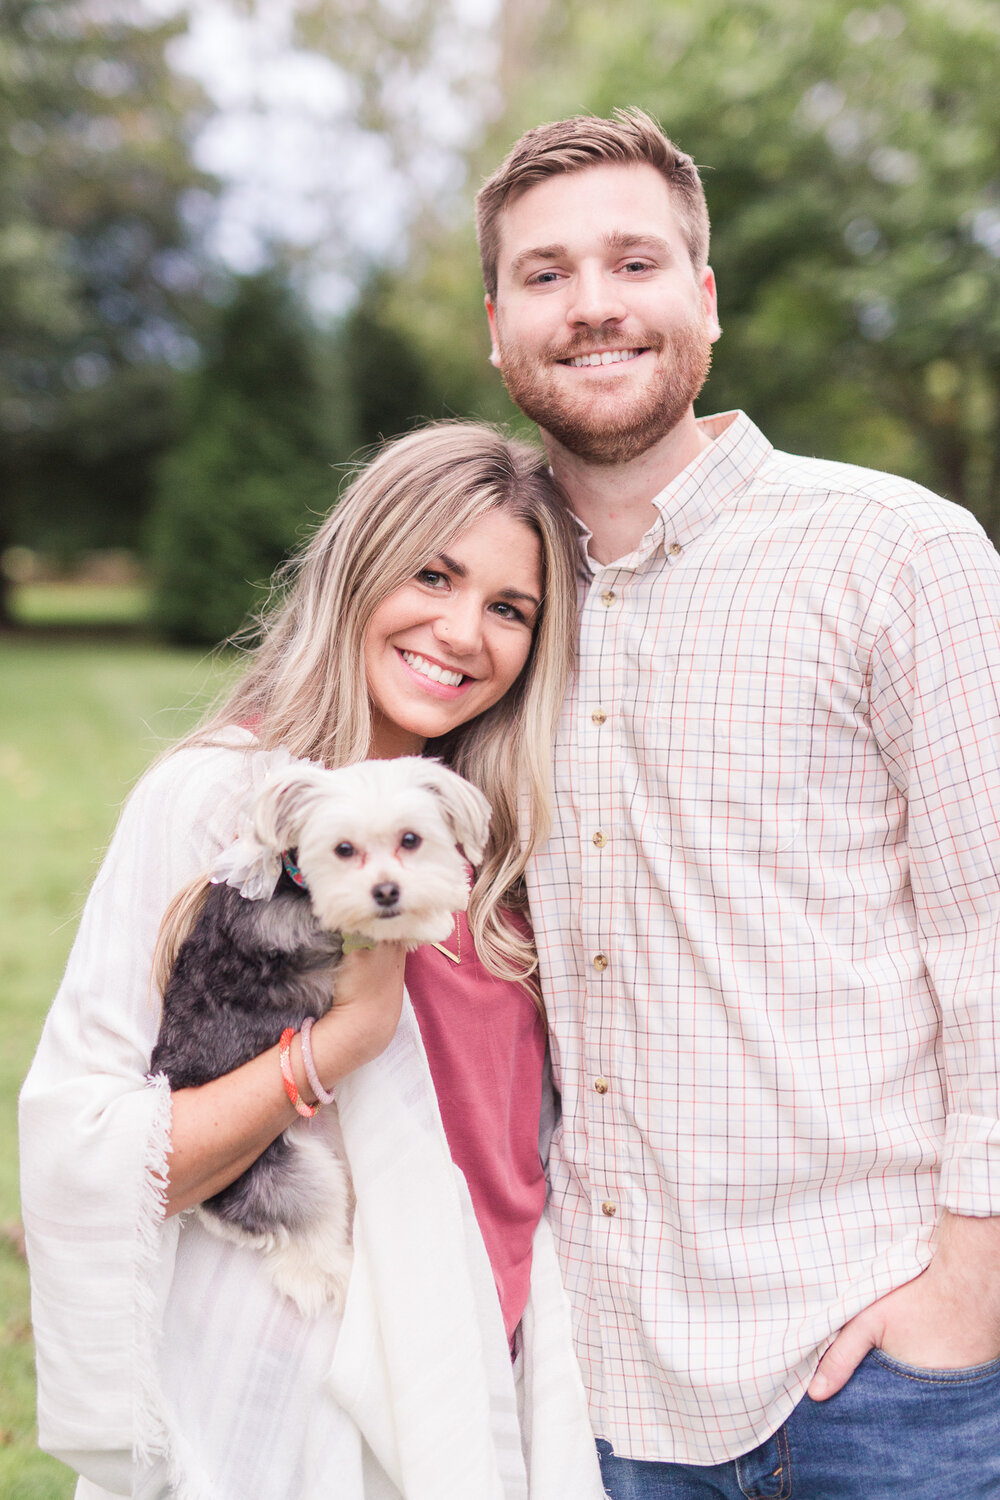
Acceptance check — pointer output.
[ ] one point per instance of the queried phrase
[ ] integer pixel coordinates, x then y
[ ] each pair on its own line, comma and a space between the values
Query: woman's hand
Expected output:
220, 1128
362, 1022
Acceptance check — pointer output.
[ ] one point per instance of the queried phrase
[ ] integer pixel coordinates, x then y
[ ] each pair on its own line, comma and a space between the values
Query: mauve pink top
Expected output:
485, 1043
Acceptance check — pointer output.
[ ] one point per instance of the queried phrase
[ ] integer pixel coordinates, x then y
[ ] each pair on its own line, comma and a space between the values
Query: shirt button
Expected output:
600, 839
601, 1085
675, 549
608, 598
600, 962
599, 716
608, 1209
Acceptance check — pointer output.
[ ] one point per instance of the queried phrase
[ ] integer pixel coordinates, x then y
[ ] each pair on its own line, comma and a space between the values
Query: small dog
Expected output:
376, 847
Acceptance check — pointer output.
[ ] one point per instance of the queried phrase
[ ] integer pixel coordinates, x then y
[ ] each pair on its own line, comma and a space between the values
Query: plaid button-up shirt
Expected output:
767, 919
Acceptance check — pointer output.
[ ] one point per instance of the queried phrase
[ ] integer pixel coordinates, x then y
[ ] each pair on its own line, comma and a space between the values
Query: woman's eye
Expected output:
431, 577
509, 612
344, 850
410, 841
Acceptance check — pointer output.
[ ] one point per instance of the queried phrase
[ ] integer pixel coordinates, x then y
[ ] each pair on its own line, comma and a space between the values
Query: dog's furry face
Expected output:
376, 844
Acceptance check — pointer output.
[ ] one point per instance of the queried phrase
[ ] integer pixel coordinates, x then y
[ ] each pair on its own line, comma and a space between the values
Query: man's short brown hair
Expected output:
630, 137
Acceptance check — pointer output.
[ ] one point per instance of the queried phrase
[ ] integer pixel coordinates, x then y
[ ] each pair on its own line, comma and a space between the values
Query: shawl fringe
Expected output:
151, 1441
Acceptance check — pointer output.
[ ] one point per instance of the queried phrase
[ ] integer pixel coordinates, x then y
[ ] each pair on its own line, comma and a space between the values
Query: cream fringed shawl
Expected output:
167, 1365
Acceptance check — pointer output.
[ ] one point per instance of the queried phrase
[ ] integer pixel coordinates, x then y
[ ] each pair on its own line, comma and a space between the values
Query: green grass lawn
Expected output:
78, 721
74, 603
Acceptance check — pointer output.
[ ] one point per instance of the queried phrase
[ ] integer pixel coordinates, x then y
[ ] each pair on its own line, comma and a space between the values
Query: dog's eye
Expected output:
410, 841
344, 850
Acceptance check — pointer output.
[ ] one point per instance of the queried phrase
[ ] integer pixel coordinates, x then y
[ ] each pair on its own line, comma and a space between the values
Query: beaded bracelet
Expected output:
323, 1095
285, 1061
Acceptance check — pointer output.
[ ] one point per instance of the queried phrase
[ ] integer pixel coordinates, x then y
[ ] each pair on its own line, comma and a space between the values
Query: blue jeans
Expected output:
894, 1432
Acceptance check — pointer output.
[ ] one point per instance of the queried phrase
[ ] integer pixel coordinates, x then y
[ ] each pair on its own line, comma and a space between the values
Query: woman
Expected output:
432, 612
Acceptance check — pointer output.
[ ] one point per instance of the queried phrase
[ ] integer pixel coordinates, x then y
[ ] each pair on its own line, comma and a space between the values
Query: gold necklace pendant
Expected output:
456, 958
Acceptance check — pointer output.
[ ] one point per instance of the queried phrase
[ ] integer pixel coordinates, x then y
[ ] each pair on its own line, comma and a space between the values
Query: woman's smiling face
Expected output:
448, 644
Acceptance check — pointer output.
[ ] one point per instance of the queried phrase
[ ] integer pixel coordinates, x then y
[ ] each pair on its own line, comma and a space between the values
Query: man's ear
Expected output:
710, 302
491, 318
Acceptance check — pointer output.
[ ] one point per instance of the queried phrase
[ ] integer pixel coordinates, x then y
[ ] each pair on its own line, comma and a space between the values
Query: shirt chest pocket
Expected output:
720, 757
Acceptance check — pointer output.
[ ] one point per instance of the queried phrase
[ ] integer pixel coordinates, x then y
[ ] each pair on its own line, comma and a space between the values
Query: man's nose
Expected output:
596, 299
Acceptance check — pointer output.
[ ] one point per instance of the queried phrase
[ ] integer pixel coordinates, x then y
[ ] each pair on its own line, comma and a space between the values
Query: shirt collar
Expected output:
689, 504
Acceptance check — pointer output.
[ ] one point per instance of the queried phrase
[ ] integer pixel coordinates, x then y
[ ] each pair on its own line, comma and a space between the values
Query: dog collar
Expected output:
351, 940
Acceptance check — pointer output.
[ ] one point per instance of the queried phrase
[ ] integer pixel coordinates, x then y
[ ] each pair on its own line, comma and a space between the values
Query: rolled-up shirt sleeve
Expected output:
935, 701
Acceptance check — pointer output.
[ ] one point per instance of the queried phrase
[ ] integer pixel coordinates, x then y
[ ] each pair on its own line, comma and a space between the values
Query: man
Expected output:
768, 912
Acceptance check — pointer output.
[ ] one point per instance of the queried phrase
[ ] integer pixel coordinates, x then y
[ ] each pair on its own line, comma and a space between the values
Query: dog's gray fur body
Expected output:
247, 970
250, 968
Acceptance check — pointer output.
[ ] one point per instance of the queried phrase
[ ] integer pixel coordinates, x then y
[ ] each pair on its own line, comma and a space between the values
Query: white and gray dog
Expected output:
381, 849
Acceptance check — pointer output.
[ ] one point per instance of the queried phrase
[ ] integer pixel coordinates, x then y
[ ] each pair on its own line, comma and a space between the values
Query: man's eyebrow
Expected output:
618, 239
537, 252
628, 239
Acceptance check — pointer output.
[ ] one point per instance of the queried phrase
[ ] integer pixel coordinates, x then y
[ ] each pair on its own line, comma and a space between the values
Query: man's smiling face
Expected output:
601, 326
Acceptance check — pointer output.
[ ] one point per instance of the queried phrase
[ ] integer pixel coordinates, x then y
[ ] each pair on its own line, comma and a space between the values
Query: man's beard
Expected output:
604, 428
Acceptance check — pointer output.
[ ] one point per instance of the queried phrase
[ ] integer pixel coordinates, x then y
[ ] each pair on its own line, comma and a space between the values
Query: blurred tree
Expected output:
249, 467
420, 77
853, 176
388, 386
96, 269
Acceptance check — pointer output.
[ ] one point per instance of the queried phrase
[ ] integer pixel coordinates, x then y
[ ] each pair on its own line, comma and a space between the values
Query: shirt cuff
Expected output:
970, 1166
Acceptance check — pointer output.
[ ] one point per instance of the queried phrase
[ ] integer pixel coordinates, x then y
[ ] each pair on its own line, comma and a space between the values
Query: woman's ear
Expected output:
466, 810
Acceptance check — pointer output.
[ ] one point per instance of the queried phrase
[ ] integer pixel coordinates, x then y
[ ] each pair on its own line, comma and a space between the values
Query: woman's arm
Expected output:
220, 1128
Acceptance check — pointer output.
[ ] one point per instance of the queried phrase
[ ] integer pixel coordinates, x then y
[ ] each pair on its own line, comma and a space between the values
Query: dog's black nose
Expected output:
386, 893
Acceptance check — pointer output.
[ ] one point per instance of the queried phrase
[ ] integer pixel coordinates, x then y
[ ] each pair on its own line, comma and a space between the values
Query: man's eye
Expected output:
410, 841
344, 850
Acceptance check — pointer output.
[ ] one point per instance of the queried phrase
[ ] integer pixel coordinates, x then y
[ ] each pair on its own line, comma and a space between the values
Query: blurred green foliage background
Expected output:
151, 399
169, 426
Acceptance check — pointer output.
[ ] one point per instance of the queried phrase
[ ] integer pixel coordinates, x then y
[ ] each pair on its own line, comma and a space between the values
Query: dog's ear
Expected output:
466, 810
284, 803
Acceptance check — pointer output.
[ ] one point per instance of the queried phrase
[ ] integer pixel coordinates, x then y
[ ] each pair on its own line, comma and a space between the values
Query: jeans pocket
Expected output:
964, 1375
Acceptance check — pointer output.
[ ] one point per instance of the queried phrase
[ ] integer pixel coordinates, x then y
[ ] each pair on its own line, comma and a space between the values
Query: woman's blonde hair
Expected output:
305, 686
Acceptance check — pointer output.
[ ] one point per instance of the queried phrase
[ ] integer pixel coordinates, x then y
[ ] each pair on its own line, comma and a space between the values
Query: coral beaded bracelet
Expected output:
291, 1088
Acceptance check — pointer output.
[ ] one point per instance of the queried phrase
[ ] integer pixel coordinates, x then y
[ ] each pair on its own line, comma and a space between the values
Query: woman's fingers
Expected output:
367, 1000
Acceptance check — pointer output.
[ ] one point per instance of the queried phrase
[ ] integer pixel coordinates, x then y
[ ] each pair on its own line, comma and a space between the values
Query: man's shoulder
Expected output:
842, 490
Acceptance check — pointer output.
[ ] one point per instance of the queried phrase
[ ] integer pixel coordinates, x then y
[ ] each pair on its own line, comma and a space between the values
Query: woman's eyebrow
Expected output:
517, 594
461, 571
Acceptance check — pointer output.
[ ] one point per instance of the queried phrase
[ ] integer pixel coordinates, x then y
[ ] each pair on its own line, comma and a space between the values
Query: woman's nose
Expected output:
459, 627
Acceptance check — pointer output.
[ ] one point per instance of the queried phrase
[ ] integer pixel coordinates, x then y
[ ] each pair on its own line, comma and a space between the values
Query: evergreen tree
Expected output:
389, 389
249, 468
96, 270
